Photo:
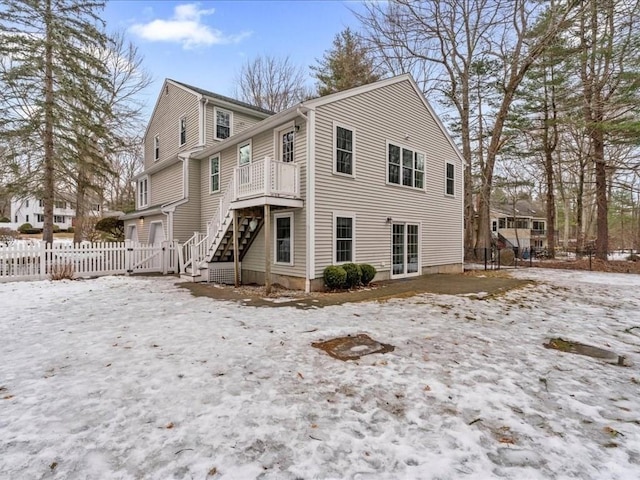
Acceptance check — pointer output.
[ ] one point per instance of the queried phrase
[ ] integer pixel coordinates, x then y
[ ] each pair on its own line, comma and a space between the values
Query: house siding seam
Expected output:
387, 114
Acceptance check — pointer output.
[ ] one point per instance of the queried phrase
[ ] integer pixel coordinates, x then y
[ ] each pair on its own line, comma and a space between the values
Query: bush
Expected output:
24, 227
507, 257
368, 273
62, 271
56, 228
354, 274
633, 257
7, 235
70, 230
112, 226
4, 220
334, 277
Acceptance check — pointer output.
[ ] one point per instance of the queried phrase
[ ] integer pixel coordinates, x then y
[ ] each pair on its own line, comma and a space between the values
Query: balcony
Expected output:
266, 182
538, 233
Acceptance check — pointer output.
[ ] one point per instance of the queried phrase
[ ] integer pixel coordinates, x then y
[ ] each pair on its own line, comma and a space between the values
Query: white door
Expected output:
133, 233
156, 233
405, 250
285, 173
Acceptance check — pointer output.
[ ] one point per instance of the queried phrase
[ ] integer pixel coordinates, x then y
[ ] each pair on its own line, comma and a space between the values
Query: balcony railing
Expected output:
536, 232
267, 178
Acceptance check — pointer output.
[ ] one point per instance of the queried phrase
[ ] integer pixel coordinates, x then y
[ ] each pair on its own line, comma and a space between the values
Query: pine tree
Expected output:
346, 65
50, 75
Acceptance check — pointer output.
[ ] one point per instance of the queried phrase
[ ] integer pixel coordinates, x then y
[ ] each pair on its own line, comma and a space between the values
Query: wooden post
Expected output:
267, 249
236, 255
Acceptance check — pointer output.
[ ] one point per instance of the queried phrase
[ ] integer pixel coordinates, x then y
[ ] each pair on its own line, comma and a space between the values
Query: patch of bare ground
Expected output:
596, 265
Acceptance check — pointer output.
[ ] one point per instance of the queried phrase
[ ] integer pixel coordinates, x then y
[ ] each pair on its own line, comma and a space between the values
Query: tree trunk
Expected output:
48, 187
602, 239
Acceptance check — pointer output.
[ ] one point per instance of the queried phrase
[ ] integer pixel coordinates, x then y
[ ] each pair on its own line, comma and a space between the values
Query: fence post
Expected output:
165, 257
128, 256
43, 260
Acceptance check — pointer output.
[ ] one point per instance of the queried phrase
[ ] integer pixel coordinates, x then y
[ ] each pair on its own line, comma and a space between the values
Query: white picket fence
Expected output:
37, 261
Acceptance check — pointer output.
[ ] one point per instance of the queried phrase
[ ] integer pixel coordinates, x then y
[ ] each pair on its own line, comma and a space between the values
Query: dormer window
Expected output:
223, 124
156, 147
183, 131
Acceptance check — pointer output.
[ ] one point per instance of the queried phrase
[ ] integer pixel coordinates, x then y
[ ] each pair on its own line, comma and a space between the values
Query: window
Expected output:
143, 192
450, 188
223, 124
39, 217
27, 204
58, 219
494, 226
344, 238
405, 167
344, 150
244, 153
284, 238
60, 204
15, 218
41, 203
156, 147
502, 222
96, 207
214, 166
27, 218
183, 131
286, 146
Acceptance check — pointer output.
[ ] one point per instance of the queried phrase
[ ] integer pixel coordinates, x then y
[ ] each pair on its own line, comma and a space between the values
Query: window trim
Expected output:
277, 140
180, 142
446, 179
244, 144
138, 197
334, 149
156, 147
276, 216
334, 239
215, 122
211, 190
414, 150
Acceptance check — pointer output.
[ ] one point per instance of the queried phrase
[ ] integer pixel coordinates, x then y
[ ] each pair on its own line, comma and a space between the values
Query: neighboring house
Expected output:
368, 175
521, 225
31, 210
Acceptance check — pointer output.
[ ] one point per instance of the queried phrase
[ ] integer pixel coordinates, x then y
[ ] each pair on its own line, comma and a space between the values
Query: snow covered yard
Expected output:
132, 378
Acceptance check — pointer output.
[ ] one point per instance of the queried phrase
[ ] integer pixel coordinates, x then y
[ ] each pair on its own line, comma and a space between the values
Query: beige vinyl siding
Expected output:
143, 225
240, 121
166, 185
186, 219
262, 144
170, 108
393, 114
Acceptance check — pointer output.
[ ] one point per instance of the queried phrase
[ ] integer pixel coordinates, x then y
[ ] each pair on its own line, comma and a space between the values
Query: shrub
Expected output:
507, 257
112, 226
633, 257
56, 228
62, 271
7, 235
4, 220
24, 227
70, 230
368, 273
334, 277
354, 274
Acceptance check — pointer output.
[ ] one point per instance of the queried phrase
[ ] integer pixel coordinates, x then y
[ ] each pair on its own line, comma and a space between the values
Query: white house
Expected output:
31, 210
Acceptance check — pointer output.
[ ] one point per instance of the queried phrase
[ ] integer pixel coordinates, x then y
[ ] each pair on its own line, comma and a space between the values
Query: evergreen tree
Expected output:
50, 75
346, 65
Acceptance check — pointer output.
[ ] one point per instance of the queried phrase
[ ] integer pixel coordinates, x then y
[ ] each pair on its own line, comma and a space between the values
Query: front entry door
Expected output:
405, 250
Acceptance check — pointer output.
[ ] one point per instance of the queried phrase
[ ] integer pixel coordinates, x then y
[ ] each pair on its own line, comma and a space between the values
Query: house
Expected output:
520, 224
367, 175
31, 210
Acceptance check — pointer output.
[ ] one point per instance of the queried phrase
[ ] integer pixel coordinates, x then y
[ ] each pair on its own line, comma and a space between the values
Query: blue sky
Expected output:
205, 43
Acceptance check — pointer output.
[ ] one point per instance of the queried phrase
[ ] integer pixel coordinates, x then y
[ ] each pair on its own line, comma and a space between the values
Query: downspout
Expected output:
310, 198
203, 121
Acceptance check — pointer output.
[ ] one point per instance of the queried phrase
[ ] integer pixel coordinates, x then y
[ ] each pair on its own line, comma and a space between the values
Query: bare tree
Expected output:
271, 83
467, 38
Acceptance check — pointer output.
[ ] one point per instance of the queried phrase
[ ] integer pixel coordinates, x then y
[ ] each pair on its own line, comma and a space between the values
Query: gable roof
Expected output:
523, 208
297, 109
217, 96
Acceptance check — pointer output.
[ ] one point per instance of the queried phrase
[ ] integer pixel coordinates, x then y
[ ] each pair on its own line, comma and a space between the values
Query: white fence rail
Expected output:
21, 261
